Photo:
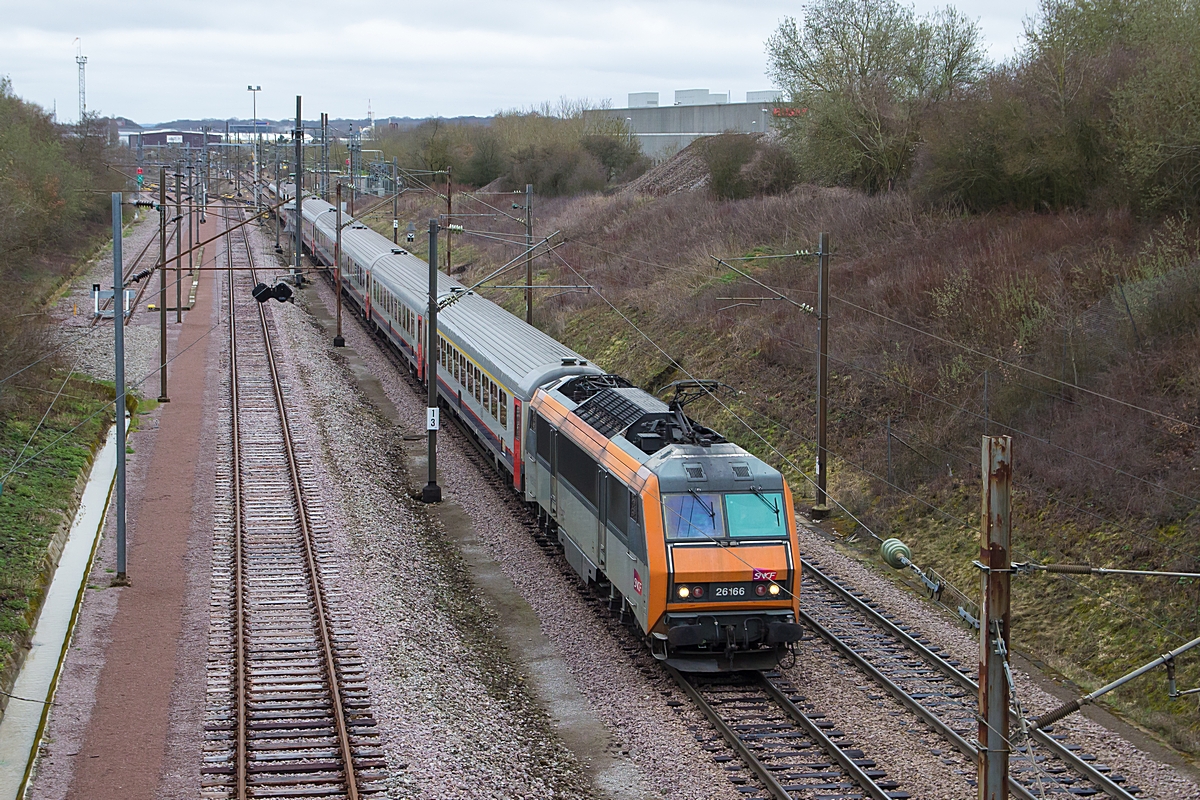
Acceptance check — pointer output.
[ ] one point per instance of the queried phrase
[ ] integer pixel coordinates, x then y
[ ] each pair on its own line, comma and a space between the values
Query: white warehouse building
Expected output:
663, 131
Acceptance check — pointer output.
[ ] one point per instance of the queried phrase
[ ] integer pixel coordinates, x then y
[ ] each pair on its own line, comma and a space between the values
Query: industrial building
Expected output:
663, 131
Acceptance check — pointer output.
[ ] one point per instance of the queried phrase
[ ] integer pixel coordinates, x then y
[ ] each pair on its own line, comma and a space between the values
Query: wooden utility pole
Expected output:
995, 563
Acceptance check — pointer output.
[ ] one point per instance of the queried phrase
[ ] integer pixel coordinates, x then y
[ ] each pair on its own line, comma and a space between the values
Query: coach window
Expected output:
478, 393
504, 409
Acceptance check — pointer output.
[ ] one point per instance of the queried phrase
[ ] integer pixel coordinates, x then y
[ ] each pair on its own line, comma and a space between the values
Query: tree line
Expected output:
1098, 108
558, 147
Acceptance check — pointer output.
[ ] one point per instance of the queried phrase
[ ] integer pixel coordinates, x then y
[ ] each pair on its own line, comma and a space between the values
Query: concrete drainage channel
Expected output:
25, 717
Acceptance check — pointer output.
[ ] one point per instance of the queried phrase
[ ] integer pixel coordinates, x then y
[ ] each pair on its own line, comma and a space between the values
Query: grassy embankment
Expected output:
52, 195
1091, 301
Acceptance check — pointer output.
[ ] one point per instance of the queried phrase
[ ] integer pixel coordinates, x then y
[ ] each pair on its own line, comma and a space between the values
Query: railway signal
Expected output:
280, 291
141, 179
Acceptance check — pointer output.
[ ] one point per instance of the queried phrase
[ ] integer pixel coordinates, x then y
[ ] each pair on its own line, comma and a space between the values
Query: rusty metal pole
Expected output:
432, 493
162, 286
995, 563
297, 275
529, 254
822, 505
178, 246
395, 201
338, 339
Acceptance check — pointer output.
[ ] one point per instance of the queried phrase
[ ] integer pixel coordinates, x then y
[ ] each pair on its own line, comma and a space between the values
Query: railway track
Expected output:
792, 750
912, 670
790, 747
783, 741
289, 713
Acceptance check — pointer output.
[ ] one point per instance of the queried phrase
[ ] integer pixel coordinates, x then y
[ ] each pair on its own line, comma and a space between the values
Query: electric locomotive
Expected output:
690, 535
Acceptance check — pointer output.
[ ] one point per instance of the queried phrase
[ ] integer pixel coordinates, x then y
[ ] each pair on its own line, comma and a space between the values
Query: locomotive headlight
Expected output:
684, 592
774, 590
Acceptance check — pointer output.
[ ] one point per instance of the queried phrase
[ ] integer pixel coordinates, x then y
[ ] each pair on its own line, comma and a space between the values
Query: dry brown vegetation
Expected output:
1078, 319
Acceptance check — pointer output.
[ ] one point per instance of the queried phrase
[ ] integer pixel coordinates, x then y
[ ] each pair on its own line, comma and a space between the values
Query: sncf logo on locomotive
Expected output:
765, 574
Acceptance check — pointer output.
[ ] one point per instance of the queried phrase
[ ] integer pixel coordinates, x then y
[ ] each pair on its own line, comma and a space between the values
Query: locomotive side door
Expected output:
602, 522
554, 472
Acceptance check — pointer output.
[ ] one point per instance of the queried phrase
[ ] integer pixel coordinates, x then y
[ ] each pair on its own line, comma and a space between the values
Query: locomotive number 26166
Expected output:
730, 591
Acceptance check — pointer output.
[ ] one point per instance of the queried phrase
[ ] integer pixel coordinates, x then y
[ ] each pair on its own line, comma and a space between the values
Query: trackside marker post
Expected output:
432, 493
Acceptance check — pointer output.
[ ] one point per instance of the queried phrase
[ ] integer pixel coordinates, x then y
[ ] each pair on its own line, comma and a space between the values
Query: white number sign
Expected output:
433, 419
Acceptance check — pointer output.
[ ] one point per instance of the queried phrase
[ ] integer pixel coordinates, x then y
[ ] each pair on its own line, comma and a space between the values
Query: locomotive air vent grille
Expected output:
611, 411
741, 472
695, 472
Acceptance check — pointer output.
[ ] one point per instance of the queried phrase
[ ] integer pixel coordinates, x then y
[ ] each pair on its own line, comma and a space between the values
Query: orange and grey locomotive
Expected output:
690, 535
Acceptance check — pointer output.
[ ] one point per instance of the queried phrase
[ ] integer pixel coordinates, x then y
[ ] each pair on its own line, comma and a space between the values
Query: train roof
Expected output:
517, 353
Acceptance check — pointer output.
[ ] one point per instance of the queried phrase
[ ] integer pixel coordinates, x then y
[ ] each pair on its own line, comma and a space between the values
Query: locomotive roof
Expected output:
517, 353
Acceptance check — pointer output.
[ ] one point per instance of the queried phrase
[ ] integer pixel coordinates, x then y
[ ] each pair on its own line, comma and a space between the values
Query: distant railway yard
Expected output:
609, 600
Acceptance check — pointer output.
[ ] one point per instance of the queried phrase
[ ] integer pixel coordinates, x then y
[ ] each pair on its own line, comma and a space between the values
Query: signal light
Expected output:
139, 170
280, 291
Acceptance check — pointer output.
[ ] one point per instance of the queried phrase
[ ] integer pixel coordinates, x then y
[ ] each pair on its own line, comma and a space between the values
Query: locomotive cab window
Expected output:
756, 514
694, 515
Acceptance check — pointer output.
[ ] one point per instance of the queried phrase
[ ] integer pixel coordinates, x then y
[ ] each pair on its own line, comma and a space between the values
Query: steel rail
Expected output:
748, 758
343, 733
239, 600
1102, 781
856, 773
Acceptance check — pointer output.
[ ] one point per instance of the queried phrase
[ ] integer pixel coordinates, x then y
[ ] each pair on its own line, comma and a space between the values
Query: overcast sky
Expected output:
158, 61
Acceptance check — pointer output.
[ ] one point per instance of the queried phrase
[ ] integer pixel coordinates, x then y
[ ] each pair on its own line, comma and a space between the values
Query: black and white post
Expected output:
119, 349
432, 493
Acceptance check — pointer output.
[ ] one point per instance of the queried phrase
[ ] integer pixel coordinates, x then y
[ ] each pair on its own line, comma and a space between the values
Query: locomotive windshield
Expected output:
757, 514
708, 515
695, 515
